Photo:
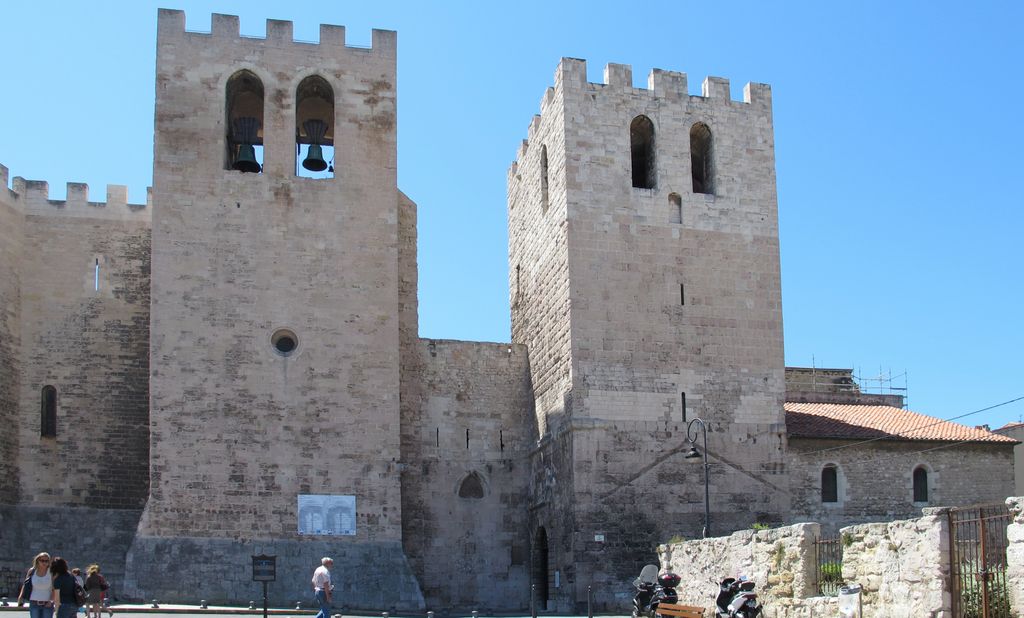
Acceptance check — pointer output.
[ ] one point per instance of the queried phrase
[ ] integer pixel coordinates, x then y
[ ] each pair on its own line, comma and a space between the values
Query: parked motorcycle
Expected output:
653, 589
737, 599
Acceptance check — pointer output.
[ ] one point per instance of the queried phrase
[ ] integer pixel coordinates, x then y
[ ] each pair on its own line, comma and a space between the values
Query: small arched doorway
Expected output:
539, 570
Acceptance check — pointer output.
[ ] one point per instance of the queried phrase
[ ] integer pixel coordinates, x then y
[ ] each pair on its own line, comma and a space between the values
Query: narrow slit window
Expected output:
96, 276
682, 396
544, 178
641, 145
48, 412
701, 159
682, 295
244, 123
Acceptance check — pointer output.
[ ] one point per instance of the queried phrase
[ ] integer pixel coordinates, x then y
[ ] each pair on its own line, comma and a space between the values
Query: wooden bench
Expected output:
679, 611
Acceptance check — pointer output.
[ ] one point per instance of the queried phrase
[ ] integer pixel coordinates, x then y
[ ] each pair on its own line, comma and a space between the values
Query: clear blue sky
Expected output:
898, 141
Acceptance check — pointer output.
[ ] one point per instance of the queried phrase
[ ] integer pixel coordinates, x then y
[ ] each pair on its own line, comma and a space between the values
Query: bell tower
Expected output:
644, 278
275, 310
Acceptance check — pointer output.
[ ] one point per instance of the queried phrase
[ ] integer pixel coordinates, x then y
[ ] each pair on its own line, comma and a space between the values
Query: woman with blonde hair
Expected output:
95, 586
38, 588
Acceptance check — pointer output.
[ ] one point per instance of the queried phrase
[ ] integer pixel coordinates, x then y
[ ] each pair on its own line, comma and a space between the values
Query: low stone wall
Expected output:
902, 566
1015, 555
781, 561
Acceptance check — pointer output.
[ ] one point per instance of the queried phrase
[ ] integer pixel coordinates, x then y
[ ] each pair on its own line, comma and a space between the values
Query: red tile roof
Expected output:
862, 422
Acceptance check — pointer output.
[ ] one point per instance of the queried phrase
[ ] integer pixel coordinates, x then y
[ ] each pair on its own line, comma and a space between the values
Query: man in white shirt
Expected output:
322, 587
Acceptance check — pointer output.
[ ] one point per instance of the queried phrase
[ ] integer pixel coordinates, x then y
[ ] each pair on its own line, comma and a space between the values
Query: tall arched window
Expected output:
48, 412
920, 484
314, 128
544, 178
830, 484
641, 148
244, 109
701, 159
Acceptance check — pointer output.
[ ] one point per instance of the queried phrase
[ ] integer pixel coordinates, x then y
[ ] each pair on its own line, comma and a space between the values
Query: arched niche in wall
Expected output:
472, 487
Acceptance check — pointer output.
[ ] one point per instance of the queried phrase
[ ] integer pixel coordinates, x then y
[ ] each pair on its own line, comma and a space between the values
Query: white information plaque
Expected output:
327, 515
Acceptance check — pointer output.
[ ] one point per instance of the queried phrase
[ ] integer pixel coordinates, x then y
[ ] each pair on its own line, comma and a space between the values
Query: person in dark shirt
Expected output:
63, 589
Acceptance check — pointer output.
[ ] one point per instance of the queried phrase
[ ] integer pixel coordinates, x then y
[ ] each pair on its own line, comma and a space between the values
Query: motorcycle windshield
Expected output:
649, 574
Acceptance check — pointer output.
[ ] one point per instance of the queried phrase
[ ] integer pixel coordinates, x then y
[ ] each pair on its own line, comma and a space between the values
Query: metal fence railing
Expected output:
978, 561
829, 557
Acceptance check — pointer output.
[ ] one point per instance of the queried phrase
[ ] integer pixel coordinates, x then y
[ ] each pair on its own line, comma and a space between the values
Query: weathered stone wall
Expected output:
538, 262
902, 566
80, 535
467, 426
632, 298
11, 249
781, 561
1017, 433
876, 479
87, 335
1015, 554
369, 576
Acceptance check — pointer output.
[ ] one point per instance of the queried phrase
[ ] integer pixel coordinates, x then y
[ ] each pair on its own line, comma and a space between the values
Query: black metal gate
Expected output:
977, 557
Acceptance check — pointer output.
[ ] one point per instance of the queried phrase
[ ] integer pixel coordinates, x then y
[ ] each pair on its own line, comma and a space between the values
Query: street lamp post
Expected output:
693, 453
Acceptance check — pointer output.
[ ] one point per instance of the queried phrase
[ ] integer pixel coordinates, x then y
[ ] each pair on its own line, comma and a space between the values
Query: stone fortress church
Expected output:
234, 367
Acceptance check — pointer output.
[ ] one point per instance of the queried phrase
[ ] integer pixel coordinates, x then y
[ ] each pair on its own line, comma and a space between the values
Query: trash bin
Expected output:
849, 601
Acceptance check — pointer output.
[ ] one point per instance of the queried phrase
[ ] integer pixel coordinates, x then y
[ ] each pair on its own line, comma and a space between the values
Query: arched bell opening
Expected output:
244, 109
314, 128
701, 162
641, 148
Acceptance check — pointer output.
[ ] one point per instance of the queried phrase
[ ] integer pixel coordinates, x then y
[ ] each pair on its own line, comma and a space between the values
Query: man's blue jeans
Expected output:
325, 607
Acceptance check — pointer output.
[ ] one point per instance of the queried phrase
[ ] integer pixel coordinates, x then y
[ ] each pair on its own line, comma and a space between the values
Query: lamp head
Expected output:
693, 453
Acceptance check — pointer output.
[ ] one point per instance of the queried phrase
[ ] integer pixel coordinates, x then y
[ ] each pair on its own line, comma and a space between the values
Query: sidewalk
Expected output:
146, 610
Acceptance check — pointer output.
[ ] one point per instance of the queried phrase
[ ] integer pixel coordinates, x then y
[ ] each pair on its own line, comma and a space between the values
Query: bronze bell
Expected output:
315, 131
314, 160
246, 159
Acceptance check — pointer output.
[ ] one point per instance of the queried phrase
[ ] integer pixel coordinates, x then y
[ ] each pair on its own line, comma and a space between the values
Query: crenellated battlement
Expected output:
33, 197
572, 74
171, 23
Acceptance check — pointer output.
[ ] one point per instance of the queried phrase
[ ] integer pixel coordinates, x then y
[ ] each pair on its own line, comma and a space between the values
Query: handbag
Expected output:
26, 588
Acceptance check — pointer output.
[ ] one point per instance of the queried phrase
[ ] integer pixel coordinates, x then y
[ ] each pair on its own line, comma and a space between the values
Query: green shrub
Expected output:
831, 572
760, 526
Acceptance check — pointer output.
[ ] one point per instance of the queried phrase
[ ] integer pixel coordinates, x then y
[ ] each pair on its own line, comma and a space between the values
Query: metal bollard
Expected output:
3, 601
383, 615
154, 604
476, 614
203, 604
590, 602
298, 605
430, 614
533, 600
252, 604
